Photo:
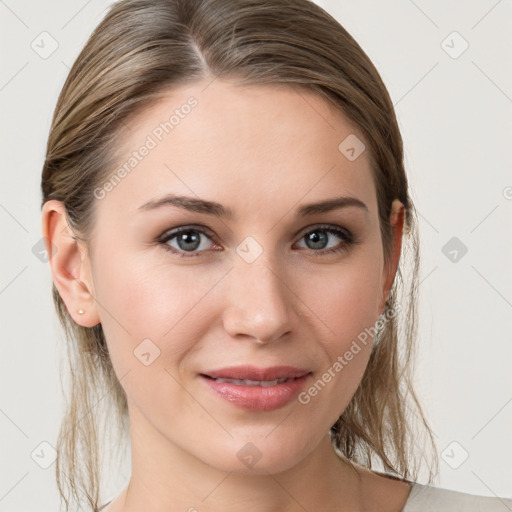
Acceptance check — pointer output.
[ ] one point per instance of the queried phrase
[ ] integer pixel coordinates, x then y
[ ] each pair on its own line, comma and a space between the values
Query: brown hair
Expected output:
145, 47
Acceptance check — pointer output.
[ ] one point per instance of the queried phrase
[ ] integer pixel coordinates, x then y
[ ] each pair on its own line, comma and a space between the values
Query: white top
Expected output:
426, 498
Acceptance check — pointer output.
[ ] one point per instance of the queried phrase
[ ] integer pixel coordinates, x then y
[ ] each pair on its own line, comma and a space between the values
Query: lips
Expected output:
254, 373
257, 389
248, 382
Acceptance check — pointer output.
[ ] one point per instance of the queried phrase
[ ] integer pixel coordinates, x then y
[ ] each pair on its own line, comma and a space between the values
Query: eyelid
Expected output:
333, 227
346, 236
186, 227
210, 233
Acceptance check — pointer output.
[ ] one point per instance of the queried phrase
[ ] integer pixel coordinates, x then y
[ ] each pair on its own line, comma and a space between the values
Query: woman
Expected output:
227, 216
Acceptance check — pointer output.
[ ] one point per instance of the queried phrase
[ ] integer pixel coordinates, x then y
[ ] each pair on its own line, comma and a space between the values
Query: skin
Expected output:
261, 151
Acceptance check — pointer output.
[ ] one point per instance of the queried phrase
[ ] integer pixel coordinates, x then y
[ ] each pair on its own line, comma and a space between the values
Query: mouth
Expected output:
247, 382
257, 389
256, 374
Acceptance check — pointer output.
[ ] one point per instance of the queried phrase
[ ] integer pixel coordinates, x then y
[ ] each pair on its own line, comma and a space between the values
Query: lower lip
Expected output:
258, 398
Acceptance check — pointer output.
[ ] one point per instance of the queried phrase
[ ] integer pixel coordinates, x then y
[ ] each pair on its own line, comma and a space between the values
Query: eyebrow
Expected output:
218, 210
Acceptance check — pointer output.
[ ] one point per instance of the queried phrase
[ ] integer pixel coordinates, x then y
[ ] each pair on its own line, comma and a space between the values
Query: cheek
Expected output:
345, 301
152, 319
345, 298
159, 303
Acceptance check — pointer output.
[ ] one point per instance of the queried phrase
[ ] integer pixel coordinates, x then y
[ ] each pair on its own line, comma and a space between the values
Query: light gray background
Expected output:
455, 115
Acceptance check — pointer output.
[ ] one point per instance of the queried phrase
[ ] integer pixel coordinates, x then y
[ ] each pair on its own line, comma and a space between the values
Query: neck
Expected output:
165, 478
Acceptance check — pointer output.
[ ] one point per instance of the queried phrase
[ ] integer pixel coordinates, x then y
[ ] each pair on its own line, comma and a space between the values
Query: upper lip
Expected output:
257, 374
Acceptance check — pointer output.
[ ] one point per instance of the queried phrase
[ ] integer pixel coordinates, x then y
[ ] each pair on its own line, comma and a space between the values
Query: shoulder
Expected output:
424, 498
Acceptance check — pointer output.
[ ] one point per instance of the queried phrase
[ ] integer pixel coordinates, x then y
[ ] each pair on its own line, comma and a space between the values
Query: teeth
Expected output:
247, 382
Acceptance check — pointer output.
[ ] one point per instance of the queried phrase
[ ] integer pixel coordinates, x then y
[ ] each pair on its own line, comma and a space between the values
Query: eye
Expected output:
185, 240
189, 241
320, 239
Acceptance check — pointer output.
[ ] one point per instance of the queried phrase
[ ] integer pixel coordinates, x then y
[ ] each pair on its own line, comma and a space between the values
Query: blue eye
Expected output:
188, 241
318, 238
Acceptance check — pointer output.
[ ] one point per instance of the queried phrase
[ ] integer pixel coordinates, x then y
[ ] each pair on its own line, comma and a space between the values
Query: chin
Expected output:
259, 456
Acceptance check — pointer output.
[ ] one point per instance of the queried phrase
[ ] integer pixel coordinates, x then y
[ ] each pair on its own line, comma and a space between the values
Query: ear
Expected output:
69, 263
396, 220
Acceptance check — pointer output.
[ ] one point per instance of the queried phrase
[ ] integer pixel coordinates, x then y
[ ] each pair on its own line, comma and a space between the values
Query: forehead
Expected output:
241, 146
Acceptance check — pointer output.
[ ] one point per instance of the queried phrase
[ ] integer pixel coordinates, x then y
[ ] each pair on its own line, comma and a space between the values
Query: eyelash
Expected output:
347, 237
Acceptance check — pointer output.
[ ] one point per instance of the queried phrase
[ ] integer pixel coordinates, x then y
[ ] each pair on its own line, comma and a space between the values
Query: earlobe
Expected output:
396, 220
69, 264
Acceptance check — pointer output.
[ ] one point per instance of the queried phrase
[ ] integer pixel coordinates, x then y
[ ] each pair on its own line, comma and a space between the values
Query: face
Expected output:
199, 299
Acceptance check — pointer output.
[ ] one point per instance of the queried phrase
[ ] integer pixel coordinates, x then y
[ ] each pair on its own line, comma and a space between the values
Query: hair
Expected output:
143, 48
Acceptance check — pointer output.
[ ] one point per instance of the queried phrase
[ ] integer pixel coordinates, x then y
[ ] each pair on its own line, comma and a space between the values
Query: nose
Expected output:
258, 303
